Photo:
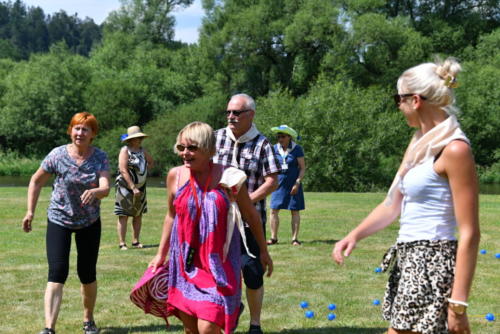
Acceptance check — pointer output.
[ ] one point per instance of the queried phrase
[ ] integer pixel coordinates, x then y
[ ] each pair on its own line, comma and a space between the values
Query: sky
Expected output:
188, 20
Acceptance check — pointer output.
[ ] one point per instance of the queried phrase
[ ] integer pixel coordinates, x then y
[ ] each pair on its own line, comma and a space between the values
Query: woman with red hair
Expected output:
81, 181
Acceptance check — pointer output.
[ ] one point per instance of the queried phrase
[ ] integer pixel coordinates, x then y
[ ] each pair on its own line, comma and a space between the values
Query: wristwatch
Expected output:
457, 307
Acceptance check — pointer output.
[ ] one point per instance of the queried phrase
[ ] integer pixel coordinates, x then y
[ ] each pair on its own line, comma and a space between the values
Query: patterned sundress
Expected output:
201, 283
125, 203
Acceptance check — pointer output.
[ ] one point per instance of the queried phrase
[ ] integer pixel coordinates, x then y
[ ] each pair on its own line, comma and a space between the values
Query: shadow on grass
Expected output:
136, 329
333, 330
322, 241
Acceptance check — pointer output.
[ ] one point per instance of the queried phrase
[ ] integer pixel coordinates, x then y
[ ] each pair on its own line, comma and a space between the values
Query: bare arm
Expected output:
270, 184
97, 193
149, 159
251, 216
123, 167
37, 181
460, 169
302, 166
378, 219
161, 255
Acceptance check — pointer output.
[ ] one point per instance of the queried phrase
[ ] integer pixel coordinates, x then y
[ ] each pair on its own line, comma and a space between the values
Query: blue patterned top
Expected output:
71, 181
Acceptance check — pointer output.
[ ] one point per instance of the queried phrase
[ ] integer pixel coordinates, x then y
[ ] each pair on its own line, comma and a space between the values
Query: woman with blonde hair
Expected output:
203, 235
435, 191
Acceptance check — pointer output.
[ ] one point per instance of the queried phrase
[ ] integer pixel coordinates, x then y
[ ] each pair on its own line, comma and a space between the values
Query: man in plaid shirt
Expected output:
241, 145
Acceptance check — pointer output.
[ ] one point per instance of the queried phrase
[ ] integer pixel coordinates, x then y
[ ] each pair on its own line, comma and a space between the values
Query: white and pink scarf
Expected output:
425, 146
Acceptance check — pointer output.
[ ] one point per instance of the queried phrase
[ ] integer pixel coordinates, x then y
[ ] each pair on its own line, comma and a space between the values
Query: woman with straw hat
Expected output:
133, 164
289, 195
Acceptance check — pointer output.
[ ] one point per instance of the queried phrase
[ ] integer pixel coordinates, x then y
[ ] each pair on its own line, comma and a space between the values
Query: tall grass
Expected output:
12, 164
301, 273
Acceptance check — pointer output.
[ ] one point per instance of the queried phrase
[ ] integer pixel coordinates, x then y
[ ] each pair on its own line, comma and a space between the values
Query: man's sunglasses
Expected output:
191, 148
399, 97
236, 112
280, 135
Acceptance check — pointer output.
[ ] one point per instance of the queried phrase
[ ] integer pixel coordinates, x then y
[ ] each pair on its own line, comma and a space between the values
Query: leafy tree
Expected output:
478, 98
40, 97
149, 20
351, 136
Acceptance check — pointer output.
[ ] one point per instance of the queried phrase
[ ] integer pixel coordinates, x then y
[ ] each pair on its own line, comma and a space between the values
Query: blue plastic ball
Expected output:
482, 251
490, 317
332, 307
497, 255
331, 316
378, 270
304, 304
309, 314
376, 302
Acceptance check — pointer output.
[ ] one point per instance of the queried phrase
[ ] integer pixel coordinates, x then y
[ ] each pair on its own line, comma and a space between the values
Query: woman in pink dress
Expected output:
204, 288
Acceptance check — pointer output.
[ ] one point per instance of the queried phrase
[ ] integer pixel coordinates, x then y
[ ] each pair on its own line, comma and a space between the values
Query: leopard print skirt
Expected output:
419, 285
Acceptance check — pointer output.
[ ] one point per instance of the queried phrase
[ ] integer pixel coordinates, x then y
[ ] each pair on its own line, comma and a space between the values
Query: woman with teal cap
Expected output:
289, 195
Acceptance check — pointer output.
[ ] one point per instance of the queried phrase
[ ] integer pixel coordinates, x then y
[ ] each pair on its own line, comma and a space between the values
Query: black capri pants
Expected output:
58, 244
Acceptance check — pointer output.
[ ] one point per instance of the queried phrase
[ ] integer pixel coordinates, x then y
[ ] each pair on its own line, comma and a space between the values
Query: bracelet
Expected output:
457, 302
297, 181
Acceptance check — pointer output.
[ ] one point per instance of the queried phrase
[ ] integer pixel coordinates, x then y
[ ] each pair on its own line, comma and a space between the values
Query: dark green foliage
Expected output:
40, 96
26, 30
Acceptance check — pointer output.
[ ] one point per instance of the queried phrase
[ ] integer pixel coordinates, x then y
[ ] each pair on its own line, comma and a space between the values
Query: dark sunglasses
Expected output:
236, 112
279, 136
399, 97
191, 148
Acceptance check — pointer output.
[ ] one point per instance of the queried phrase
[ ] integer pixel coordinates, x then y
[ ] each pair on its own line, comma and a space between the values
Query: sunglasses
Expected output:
236, 112
191, 148
399, 97
279, 136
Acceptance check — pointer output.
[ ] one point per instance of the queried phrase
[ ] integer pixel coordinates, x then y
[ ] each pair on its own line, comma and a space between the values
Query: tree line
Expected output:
326, 68
26, 30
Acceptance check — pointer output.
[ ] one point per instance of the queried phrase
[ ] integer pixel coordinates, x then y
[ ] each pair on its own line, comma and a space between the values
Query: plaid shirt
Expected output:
255, 157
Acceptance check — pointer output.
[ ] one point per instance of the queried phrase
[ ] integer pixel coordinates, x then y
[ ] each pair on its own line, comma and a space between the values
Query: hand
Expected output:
267, 263
345, 245
156, 262
27, 222
88, 196
136, 192
458, 323
295, 189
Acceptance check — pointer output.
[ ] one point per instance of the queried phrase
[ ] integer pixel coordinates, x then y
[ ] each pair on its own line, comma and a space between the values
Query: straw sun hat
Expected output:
133, 132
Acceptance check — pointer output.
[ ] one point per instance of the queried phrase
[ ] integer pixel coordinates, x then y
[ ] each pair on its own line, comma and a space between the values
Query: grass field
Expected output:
301, 273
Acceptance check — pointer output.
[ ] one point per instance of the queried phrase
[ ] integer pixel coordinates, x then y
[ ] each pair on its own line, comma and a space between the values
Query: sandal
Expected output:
296, 242
137, 245
272, 241
122, 246
89, 327
47, 331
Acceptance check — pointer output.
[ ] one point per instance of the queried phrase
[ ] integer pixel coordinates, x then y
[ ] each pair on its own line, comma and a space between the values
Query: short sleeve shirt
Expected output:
255, 157
71, 180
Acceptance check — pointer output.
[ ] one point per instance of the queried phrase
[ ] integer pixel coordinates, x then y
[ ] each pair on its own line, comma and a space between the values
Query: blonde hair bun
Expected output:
434, 81
448, 71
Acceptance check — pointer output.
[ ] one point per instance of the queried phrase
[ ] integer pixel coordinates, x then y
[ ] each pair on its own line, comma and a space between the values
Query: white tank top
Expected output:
427, 208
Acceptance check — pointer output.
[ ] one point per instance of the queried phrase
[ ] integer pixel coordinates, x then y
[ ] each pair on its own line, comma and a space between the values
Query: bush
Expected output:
12, 164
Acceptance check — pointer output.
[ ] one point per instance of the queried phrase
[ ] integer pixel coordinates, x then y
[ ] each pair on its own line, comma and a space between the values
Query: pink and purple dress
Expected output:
201, 283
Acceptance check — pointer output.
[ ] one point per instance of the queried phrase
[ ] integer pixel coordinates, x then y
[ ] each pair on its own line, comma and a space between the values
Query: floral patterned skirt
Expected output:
419, 285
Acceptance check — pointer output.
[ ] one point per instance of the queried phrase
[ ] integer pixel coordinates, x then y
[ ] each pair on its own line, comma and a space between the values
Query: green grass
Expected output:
301, 273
